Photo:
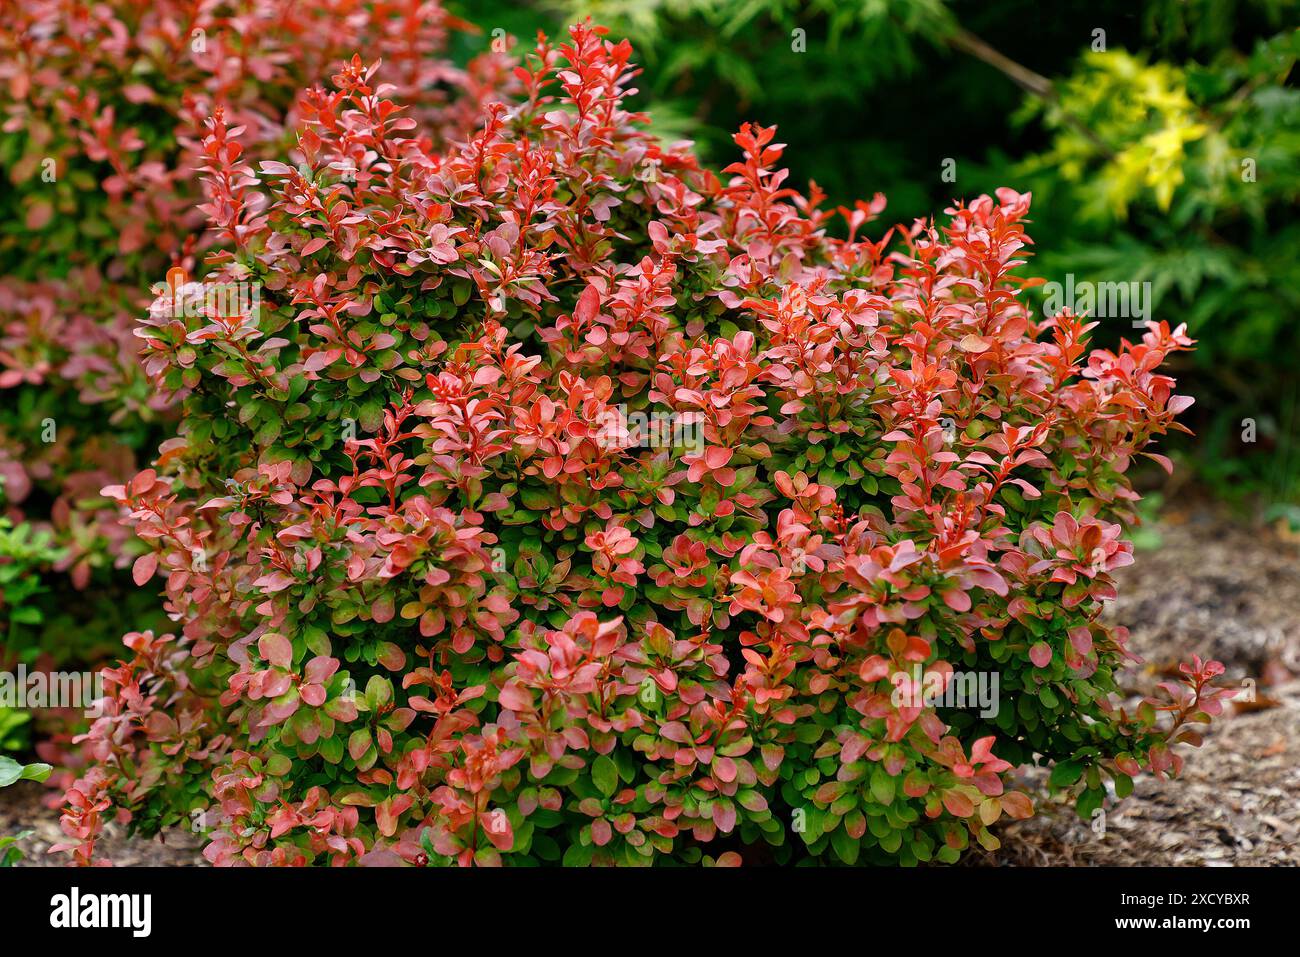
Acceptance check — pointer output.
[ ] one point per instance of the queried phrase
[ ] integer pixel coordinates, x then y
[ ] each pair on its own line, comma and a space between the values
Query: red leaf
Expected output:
958, 804
144, 567
382, 608
276, 649
588, 305
1017, 805
516, 698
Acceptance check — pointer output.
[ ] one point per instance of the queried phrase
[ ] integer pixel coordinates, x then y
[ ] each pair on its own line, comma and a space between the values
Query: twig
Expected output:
1025, 78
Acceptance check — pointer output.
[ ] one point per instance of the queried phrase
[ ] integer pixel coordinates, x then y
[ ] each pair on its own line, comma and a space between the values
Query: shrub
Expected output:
102, 106
445, 597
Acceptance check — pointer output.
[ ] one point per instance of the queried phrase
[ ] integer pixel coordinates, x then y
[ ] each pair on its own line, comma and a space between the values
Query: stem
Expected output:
1025, 78
1033, 83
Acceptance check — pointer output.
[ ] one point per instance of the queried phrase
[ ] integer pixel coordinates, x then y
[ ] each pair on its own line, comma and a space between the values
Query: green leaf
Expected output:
36, 772
1123, 785
10, 771
846, 848
882, 785
268, 432
1089, 801
379, 692
605, 775
1066, 773
578, 855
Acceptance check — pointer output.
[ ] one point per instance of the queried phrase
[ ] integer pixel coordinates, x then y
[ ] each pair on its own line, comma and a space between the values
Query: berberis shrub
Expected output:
102, 106
564, 503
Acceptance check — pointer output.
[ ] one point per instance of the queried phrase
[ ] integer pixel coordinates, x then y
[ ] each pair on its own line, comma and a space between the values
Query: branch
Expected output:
1023, 77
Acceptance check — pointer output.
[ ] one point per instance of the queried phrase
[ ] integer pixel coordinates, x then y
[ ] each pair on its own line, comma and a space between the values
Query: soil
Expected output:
1209, 587
24, 810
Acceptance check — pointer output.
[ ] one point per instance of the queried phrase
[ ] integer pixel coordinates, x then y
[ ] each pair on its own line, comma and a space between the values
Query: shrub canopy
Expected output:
563, 501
